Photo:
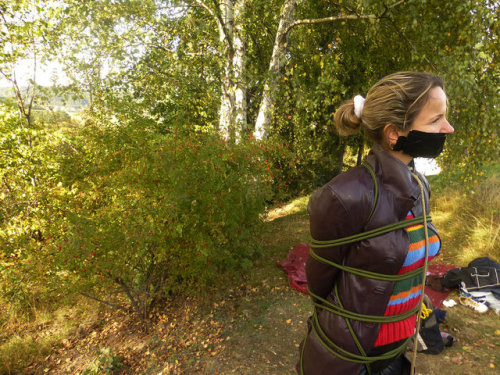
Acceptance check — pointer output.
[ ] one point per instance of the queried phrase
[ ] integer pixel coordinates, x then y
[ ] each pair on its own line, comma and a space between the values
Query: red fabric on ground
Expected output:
437, 296
295, 267
439, 269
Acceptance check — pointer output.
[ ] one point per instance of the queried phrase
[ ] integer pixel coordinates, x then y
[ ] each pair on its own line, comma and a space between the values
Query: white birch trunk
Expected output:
276, 64
227, 98
233, 108
239, 83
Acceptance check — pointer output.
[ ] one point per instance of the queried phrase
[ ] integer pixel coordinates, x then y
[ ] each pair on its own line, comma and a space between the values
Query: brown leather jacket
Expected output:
340, 209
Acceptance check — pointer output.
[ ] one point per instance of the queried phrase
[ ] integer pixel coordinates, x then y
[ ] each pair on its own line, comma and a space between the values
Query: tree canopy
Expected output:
278, 68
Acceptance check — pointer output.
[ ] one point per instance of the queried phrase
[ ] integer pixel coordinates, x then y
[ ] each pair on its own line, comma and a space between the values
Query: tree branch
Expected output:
218, 19
397, 4
128, 292
341, 18
207, 8
222, 24
327, 19
4, 180
13, 79
102, 301
30, 105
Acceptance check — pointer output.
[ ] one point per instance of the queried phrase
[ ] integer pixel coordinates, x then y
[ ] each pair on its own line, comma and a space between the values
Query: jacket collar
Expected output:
394, 174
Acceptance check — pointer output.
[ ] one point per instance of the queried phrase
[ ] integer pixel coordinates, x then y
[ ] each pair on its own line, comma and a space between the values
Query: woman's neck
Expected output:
405, 158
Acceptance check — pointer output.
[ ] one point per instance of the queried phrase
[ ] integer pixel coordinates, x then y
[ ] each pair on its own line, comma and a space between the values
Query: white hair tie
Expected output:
359, 103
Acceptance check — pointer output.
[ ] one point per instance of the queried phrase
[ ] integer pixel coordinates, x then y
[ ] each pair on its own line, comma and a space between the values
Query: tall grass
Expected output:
23, 342
468, 219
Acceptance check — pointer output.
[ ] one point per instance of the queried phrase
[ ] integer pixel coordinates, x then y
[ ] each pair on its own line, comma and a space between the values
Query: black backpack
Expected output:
481, 274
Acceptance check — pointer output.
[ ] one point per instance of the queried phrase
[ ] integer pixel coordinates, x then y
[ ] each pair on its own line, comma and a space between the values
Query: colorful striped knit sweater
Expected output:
406, 293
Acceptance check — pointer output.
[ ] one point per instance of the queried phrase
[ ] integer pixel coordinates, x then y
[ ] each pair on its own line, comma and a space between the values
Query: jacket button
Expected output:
390, 260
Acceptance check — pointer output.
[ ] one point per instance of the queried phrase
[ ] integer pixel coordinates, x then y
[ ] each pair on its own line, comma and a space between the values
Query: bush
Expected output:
28, 174
121, 210
156, 215
281, 163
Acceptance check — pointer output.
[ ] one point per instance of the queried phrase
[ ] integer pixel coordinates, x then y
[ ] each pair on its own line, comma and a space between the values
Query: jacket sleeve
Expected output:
329, 220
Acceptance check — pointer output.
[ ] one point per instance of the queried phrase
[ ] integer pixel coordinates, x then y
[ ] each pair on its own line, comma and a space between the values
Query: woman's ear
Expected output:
391, 134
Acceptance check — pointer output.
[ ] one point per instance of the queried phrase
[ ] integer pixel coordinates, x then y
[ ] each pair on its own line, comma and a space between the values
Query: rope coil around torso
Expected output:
321, 303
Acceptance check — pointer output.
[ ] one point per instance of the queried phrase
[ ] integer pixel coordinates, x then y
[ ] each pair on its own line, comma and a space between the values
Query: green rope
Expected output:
365, 273
422, 290
374, 178
351, 331
370, 233
350, 315
301, 359
338, 310
346, 355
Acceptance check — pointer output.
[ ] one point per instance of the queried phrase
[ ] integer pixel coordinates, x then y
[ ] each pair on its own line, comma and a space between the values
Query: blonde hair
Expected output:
396, 99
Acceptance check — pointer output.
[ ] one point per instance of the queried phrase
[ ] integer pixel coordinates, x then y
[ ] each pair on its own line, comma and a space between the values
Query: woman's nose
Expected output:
447, 128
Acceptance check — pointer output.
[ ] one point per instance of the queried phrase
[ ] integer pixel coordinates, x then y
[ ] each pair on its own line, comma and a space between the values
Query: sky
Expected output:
427, 167
45, 74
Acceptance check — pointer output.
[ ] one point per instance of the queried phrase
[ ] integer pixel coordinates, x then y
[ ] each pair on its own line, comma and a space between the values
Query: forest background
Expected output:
198, 116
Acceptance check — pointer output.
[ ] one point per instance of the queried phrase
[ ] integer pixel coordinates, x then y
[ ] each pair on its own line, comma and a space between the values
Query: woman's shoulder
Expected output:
348, 186
351, 192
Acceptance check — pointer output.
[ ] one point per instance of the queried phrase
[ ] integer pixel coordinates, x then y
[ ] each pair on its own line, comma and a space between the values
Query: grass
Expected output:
24, 342
468, 222
254, 323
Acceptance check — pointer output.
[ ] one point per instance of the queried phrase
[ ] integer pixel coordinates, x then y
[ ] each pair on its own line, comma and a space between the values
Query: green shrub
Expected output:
156, 215
281, 163
122, 211
29, 172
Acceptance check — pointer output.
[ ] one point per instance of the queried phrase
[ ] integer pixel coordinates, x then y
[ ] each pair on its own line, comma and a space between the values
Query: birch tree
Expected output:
275, 66
287, 23
229, 16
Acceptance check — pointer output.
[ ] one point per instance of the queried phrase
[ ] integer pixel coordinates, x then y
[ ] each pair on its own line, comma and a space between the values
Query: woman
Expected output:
367, 289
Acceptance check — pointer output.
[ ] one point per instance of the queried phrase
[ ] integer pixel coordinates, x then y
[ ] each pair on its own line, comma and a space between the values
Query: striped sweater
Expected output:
406, 293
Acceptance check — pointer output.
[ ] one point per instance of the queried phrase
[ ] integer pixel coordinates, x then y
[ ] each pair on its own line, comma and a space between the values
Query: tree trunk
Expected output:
278, 60
233, 108
226, 128
240, 87
276, 64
